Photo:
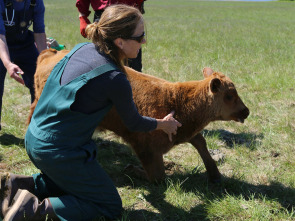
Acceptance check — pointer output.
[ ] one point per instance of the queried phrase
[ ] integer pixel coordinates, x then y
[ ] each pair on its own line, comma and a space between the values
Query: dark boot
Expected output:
10, 183
26, 206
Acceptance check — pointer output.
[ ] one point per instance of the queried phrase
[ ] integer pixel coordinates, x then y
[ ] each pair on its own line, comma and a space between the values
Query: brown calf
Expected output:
196, 104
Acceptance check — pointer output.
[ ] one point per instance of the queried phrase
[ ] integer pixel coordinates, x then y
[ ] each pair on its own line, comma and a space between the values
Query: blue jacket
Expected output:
16, 19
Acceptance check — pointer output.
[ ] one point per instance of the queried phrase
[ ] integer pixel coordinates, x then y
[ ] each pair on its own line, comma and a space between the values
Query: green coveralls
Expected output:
58, 141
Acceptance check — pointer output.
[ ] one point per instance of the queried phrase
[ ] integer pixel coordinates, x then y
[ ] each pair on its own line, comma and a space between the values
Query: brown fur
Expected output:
196, 104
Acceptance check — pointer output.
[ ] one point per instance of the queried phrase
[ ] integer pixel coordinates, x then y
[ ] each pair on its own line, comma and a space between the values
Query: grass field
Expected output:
251, 42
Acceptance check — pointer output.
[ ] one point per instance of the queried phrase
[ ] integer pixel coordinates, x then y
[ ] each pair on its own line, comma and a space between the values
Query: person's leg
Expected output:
2, 79
136, 63
89, 191
70, 207
45, 187
38, 187
26, 59
10, 184
26, 206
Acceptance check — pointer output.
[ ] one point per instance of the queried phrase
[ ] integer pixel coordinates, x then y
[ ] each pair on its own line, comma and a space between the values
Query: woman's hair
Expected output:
117, 21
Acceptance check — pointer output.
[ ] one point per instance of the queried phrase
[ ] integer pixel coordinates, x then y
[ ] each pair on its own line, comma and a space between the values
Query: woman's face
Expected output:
131, 47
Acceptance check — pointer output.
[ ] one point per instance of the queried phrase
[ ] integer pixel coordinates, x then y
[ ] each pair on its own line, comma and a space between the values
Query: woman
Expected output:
98, 6
80, 90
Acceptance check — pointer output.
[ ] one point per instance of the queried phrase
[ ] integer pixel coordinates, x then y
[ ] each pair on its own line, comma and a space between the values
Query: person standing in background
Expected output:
98, 7
20, 47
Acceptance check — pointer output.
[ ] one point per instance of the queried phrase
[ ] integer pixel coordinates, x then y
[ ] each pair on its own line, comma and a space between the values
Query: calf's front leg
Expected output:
199, 143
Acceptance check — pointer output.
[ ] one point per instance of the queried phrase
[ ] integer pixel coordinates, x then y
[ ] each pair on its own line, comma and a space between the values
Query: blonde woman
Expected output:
80, 90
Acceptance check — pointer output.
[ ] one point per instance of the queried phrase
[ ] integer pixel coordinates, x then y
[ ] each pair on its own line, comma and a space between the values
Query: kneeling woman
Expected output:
80, 90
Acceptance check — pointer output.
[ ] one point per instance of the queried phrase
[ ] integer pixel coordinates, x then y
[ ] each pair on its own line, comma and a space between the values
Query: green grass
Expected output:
251, 42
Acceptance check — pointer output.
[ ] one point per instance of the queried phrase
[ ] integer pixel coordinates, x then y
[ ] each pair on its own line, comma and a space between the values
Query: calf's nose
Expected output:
245, 113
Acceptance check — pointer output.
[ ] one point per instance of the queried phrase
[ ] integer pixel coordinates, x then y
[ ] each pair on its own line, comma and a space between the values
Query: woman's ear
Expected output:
119, 43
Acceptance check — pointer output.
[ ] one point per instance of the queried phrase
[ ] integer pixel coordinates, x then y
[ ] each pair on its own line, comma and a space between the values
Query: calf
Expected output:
196, 104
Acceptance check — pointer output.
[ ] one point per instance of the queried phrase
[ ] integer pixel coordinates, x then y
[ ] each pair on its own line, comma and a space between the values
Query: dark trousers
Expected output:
76, 185
135, 63
26, 59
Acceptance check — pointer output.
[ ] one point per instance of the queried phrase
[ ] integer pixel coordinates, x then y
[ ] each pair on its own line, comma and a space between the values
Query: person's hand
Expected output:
83, 24
14, 71
169, 125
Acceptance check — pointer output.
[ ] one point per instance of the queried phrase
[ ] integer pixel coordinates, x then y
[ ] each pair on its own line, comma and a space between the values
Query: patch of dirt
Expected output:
217, 155
274, 154
171, 168
3, 167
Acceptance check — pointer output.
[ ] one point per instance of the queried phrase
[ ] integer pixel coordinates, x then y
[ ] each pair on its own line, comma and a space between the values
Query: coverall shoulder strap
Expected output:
101, 69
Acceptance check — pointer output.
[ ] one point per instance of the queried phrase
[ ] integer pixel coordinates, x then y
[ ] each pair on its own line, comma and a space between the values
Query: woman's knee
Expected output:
118, 207
112, 209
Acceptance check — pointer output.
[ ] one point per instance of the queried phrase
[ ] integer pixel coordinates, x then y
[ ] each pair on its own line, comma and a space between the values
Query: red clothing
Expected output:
83, 5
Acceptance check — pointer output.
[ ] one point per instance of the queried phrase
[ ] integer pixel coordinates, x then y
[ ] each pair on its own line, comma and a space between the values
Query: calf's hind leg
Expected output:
153, 165
199, 143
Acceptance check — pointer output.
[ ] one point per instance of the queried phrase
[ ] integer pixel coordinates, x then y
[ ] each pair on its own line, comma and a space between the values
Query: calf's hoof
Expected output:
216, 179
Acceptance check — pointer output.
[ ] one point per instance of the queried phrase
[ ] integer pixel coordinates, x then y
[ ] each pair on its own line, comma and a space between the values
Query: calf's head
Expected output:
226, 100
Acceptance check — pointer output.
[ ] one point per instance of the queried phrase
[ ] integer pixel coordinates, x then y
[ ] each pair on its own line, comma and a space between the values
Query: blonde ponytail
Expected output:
92, 32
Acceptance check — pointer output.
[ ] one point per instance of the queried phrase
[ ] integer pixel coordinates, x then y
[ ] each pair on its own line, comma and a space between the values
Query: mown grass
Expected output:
251, 42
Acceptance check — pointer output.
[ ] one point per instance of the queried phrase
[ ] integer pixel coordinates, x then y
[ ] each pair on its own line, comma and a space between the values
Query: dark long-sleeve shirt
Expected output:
111, 87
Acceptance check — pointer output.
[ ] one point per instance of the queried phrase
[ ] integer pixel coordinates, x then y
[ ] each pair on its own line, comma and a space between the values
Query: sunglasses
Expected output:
139, 39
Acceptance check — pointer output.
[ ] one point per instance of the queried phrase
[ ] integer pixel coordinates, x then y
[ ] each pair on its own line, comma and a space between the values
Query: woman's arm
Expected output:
120, 93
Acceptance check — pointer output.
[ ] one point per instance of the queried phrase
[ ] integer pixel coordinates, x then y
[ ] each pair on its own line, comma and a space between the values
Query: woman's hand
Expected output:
169, 125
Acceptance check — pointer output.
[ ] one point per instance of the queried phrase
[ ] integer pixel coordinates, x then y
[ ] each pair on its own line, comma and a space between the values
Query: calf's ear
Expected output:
215, 85
207, 72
